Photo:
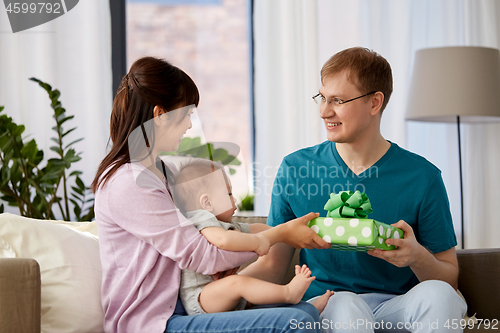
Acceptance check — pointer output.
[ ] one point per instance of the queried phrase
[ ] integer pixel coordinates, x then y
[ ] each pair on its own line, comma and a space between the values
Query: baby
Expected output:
202, 191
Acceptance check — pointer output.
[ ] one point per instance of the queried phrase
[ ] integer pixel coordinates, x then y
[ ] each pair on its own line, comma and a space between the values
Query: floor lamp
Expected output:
455, 85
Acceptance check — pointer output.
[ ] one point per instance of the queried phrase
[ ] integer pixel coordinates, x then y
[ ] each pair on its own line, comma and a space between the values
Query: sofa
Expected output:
50, 277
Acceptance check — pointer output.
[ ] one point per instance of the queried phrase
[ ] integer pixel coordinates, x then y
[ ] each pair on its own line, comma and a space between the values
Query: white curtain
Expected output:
73, 54
395, 29
286, 67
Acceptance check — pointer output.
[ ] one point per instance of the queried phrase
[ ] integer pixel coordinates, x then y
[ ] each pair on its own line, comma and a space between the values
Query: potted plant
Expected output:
33, 188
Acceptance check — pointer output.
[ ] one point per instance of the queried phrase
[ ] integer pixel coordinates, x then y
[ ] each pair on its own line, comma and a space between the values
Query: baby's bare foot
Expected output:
299, 284
321, 302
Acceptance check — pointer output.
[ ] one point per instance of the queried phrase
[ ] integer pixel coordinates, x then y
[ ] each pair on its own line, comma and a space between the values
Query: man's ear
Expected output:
157, 111
377, 101
205, 202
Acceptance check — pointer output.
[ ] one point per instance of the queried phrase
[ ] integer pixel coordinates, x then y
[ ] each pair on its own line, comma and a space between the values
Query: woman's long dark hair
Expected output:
150, 82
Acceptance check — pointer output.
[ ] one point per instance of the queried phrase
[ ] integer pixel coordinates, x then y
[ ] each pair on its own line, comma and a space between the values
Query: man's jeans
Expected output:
430, 306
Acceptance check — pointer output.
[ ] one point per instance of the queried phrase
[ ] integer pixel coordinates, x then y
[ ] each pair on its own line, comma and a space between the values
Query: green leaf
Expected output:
80, 184
30, 150
44, 85
247, 203
5, 174
38, 158
232, 171
1, 206
73, 143
9, 199
61, 116
56, 140
75, 173
77, 190
54, 94
71, 156
56, 161
58, 111
185, 144
90, 215
76, 196
220, 155
46, 186
77, 212
204, 151
16, 172
8, 145
57, 150
196, 142
53, 175
39, 190
69, 131
231, 160
40, 205
9, 154
4, 137
18, 130
62, 119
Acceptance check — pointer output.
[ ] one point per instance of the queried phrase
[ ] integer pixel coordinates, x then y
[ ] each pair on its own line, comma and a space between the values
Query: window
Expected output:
209, 40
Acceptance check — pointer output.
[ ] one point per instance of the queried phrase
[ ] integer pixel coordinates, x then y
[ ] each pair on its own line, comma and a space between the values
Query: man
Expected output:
408, 289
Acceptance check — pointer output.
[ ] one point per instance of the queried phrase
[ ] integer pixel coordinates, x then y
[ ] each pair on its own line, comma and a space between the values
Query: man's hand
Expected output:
297, 234
223, 274
426, 266
409, 250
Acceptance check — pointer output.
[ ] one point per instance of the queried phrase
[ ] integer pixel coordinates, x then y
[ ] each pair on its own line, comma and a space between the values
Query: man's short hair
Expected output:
366, 69
192, 181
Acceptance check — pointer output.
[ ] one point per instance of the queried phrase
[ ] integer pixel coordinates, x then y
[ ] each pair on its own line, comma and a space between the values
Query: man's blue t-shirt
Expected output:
400, 186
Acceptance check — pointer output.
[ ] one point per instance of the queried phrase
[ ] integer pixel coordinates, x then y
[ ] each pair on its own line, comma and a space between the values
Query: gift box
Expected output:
347, 227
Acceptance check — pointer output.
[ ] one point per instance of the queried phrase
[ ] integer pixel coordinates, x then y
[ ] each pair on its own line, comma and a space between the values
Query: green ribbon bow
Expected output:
348, 204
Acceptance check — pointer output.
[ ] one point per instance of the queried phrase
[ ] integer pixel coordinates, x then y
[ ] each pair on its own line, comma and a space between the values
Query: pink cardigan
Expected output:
144, 243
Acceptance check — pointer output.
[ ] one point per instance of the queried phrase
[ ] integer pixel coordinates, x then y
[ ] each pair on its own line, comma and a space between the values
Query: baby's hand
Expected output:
264, 245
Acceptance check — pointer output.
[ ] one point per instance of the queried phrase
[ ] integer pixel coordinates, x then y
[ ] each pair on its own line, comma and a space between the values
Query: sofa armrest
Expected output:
478, 281
20, 293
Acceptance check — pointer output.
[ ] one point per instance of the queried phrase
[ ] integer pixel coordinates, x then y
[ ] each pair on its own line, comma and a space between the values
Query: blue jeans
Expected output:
277, 318
430, 306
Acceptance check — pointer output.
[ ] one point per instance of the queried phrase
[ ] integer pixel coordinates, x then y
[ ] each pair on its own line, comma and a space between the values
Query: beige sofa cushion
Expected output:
70, 269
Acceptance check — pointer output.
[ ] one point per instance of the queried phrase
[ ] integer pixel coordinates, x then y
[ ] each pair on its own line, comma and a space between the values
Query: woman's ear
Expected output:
205, 202
157, 112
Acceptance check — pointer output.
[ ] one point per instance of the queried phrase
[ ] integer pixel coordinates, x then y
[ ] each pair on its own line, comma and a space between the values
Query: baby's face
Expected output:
223, 203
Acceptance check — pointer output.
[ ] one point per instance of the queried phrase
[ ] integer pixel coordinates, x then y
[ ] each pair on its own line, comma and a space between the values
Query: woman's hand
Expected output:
296, 233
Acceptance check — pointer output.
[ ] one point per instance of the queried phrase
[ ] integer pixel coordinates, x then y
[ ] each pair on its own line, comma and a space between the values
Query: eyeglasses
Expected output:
320, 99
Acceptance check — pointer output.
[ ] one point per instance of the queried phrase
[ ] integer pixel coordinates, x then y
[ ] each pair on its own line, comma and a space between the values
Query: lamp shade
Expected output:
455, 81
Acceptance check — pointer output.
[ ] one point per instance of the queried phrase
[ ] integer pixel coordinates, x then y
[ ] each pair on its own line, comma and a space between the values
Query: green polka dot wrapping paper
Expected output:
355, 234
347, 228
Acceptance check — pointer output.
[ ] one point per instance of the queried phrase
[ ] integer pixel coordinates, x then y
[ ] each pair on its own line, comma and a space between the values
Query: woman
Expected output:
144, 242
